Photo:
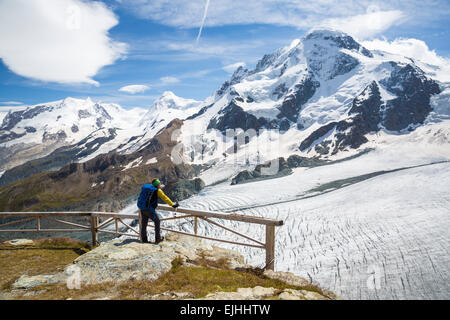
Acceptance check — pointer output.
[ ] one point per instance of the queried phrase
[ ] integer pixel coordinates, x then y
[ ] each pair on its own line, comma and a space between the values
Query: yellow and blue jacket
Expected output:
164, 198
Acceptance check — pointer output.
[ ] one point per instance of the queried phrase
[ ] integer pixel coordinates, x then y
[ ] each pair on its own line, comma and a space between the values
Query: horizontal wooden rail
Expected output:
95, 227
225, 216
46, 213
115, 215
44, 230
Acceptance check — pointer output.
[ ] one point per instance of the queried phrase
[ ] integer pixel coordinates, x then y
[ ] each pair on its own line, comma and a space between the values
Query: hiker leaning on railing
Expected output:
147, 204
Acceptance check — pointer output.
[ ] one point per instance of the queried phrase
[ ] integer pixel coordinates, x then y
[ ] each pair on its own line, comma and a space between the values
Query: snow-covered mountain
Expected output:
166, 108
38, 130
48, 136
326, 96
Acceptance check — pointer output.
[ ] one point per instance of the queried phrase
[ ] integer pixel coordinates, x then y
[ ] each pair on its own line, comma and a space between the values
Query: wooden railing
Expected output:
118, 218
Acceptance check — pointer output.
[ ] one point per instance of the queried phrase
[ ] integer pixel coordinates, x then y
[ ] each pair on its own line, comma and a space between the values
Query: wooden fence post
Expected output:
195, 224
94, 226
140, 226
270, 247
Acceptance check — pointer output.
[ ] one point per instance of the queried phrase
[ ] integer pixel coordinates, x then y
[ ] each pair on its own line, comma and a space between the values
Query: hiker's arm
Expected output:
165, 198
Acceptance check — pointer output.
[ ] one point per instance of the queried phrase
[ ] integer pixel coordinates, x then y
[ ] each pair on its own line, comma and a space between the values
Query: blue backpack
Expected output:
148, 197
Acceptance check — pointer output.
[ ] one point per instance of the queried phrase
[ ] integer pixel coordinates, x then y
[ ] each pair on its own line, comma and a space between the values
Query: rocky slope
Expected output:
102, 183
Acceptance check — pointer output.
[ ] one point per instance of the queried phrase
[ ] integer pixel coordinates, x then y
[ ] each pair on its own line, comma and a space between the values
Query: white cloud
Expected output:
183, 49
417, 50
232, 67
11, 103
169, 80
215, 48
6, 108
365, 18
203, 20
366, 25
413, 48
64, 41
134, 88
348, 15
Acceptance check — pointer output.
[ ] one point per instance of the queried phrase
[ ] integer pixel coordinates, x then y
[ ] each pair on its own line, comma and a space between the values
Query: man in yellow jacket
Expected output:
147, 203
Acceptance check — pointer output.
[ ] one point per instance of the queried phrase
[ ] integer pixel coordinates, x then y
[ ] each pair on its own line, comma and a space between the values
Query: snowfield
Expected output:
383, 238
396, 225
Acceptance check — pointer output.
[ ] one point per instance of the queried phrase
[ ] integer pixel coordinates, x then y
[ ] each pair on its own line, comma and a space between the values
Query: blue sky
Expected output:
129, 52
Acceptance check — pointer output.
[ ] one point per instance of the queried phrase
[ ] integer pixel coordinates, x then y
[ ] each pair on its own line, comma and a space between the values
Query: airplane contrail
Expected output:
203, 21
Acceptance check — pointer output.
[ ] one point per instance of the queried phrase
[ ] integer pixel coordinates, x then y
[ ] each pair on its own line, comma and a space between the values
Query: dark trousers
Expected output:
152, 215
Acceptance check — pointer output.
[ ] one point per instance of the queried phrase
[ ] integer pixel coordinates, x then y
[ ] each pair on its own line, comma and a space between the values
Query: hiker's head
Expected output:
156, 183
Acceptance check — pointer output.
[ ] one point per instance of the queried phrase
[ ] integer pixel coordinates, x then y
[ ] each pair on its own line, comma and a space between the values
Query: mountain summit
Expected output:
326, 92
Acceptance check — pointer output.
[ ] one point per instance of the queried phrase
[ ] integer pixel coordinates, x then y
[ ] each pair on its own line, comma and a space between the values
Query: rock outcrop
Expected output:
260, 293
284, 168
123, 260
186, 188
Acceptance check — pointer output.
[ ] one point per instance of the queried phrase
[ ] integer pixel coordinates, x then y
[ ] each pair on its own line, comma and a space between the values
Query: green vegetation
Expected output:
44, 256
37, 193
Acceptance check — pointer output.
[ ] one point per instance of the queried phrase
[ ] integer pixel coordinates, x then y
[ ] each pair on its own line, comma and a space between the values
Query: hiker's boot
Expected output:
159, 240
